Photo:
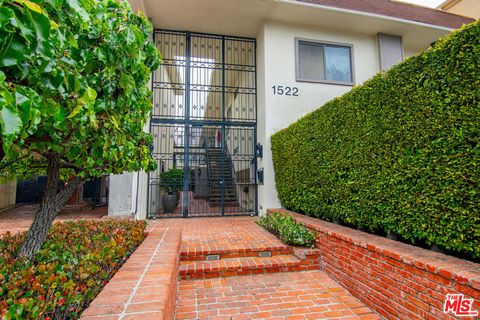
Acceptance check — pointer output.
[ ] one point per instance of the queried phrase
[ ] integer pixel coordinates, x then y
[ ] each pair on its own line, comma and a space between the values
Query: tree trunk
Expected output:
52, 202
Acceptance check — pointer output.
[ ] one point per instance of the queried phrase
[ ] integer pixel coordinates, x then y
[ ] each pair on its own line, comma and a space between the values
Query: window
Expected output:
390, 49
324, 62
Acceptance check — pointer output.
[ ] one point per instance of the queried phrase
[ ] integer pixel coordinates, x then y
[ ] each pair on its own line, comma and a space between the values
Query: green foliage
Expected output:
400, 153
73, 82
76, 261
172, 180
285, 227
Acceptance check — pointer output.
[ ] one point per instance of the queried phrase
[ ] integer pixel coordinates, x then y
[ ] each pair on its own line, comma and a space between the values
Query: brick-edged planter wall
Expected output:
145, 287
398, 280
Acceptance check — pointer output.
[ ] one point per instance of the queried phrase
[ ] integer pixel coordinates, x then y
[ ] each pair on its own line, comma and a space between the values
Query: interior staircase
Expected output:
219, 165
218, 262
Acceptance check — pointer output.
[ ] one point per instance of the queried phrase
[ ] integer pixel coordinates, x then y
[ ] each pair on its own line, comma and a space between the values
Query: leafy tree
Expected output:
73, 96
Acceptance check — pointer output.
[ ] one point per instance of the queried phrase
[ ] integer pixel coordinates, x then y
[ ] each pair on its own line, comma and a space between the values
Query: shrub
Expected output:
398, 154
74, 96
172, 180
285, 227
74, 264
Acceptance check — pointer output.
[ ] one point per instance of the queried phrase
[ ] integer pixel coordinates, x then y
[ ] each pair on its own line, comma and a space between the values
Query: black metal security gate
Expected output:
204, 126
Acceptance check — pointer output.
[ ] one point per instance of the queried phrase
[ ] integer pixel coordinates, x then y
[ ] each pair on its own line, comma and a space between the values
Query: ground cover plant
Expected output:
399, 154
287, 229
74, 98
75, 262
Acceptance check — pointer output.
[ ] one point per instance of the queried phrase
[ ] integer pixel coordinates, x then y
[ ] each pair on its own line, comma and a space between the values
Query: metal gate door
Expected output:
204, 126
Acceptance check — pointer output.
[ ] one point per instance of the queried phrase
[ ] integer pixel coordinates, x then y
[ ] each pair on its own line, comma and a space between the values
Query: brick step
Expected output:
242, 266
194, 254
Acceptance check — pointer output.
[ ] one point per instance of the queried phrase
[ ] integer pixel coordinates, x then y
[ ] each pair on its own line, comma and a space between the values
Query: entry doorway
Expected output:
204, 126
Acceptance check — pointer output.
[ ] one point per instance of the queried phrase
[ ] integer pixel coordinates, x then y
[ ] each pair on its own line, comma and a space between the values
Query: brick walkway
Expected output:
295, 295
221, 235
145, 287
222, 268
269, 290
19, 219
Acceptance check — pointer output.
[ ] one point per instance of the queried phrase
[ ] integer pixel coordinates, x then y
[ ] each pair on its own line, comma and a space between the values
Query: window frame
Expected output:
324, 43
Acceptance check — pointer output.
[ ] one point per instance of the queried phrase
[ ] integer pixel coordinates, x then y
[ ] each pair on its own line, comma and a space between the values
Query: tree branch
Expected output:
63, 196
68, 165
4, 166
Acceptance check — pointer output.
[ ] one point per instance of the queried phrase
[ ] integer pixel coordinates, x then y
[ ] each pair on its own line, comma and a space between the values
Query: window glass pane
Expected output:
310, 61
337, 63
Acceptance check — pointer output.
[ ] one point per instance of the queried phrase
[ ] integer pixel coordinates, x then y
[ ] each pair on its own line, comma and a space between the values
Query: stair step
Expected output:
240, 266
227, 201
220, 187
195, 253
226, 204
218, 193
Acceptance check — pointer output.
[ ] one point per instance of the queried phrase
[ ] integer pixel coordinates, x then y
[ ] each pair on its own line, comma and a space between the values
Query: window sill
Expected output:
340, 83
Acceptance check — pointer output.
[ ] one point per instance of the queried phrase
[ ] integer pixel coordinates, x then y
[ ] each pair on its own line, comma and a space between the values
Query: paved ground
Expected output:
220, 234
19, 219
292, 295
289, 295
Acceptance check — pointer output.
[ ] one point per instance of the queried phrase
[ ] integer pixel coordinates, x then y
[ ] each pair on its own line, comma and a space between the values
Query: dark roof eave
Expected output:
398, 10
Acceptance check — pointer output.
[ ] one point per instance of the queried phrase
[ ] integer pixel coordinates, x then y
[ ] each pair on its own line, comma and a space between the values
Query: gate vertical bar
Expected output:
223, 140
186, 144
152, 80
255, 152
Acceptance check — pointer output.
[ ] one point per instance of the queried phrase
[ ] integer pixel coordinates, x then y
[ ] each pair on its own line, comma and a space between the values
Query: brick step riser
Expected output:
228, 255
241, 272
300, 260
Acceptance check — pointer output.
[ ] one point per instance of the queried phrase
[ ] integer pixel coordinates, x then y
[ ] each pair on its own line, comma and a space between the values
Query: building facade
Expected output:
466, 8
235, 72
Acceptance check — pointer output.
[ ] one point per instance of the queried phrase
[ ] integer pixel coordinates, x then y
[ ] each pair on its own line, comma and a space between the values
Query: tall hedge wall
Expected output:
399, 153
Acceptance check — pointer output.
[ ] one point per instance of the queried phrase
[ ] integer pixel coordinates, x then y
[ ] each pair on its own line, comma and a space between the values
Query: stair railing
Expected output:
232, 170
206, 143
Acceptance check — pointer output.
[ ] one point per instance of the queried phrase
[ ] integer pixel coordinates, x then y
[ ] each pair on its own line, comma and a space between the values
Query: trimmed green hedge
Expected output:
286, 228
400, 154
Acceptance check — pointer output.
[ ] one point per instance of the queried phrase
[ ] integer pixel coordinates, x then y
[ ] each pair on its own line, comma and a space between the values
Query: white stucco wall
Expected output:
122, 198
409, 52
138, 5
276, 66
120, 195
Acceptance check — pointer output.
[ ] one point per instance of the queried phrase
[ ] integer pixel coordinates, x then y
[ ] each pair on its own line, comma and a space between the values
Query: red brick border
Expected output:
145, 287
397, 280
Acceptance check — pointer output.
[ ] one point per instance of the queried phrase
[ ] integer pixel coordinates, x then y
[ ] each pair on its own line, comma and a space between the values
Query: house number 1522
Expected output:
285, 91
